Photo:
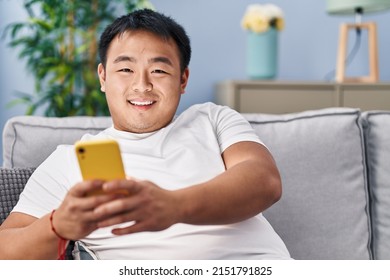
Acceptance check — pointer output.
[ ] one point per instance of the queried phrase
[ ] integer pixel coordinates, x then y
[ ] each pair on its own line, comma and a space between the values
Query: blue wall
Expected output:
308, 45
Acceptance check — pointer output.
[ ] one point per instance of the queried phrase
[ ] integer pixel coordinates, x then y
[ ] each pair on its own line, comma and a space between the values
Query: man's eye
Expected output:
126, 70
159, 71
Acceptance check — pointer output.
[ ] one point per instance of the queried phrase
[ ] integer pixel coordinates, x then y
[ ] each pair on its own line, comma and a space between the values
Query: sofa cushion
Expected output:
12, 183
377, 133
323, 212
28, 140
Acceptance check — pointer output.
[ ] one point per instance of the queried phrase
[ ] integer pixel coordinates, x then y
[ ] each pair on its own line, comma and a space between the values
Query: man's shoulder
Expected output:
205, 106
216, 115
208, 108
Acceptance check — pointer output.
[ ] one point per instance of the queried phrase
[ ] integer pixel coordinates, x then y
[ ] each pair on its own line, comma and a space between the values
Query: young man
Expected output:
198, 184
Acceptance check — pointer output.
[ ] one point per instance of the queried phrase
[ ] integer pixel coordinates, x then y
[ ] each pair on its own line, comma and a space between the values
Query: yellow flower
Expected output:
280, 24
255, 23
259, 18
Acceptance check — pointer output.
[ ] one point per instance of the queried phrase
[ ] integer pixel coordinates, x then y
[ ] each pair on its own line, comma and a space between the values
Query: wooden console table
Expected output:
278, 97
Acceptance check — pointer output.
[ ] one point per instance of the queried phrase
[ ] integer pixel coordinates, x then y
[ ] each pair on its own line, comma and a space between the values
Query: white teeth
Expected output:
141, 103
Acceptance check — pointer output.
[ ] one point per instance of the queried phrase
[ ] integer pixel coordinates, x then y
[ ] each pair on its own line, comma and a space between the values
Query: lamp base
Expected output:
372, 56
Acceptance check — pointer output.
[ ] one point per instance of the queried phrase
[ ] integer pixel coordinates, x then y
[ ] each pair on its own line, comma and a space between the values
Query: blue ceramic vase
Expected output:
262, 54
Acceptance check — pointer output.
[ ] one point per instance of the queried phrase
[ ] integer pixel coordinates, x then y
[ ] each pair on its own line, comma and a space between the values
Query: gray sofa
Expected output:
334, 163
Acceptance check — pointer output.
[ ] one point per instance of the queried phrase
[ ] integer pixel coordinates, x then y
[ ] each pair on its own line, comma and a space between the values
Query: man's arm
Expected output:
25, 237
250, 185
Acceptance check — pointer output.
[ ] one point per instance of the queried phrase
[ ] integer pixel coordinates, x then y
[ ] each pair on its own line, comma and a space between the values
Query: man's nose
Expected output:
141, 83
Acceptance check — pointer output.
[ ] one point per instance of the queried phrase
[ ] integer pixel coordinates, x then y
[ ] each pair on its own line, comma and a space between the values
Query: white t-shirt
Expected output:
186, 152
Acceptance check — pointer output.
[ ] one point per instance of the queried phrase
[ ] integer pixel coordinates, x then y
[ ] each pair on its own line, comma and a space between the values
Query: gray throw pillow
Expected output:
323, 212
12, 182
29, 140
377, 133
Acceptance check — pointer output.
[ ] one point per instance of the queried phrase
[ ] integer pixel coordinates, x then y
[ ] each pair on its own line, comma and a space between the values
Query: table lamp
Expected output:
357, 8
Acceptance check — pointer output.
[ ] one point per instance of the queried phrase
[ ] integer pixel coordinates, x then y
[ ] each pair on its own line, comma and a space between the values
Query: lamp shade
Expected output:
347, 7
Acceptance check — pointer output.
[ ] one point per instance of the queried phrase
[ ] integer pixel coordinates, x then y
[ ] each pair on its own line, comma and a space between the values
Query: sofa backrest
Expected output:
29, 140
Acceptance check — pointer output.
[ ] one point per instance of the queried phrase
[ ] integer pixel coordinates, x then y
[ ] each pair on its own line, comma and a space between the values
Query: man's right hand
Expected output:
75, 218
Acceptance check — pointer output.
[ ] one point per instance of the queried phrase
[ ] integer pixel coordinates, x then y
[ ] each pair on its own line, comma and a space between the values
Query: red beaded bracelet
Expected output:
62, 243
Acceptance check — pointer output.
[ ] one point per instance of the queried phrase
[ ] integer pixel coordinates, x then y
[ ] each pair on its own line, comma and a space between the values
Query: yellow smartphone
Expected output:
100, 159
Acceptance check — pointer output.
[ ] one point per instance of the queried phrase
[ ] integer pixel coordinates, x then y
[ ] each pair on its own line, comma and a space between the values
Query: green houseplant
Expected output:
59, 43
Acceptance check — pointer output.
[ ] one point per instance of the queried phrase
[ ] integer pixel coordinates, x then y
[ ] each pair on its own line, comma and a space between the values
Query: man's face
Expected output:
142, 81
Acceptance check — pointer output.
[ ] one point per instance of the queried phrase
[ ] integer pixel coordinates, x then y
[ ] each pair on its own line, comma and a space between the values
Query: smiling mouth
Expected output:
141, 103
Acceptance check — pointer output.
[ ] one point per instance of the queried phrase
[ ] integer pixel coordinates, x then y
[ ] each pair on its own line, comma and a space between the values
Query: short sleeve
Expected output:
231, 127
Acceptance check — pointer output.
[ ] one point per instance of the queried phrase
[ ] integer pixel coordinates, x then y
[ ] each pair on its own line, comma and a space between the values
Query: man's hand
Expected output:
76, 218
148, 206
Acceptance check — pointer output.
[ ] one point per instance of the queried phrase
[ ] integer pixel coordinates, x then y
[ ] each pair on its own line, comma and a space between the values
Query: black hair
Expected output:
151, 21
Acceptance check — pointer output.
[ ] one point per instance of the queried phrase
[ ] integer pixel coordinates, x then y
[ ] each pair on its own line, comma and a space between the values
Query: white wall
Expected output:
308, 45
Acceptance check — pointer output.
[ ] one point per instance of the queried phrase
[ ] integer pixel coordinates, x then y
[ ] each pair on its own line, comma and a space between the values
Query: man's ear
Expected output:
184, 80
102, 77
